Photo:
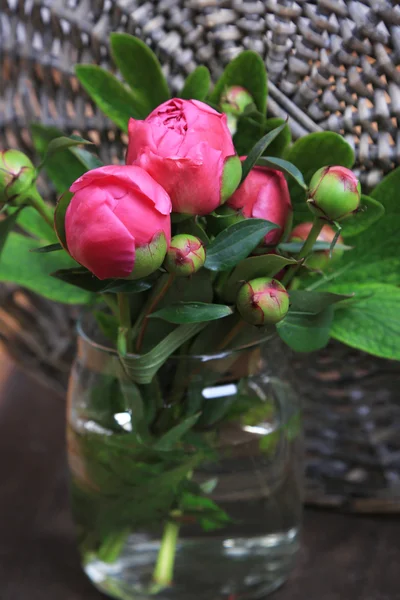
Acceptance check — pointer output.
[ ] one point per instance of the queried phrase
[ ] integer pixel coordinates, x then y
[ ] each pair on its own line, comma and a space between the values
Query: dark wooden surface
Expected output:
343, 557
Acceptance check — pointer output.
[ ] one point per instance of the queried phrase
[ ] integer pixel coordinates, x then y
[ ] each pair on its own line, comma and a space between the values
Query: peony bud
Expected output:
263, 301
233, 103
186, 255
118, 223
264, 194
186, 146
235, 99
17, 175
319, 259
334, 193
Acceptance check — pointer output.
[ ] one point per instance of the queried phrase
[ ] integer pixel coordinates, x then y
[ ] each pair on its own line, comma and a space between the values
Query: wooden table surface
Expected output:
343, 557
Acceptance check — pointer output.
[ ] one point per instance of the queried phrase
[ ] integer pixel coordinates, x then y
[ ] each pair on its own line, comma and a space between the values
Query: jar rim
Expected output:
199, 357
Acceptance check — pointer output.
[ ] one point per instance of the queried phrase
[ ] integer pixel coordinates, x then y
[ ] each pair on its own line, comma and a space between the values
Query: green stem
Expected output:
111, 303
143, 319
164, 569
306, 249
36, 200
125, 318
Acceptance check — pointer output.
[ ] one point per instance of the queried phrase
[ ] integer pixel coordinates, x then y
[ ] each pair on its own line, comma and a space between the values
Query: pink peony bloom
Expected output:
118, 222
184, 145
264, 194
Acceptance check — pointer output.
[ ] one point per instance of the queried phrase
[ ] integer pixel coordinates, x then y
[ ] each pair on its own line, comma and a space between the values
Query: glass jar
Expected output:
190, 486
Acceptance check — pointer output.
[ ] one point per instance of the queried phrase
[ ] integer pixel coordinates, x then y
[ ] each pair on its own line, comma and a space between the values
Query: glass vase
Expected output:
189, 486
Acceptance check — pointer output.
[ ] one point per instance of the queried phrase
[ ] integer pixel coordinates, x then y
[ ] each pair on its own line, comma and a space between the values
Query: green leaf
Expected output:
6, 226
280, 143
257, 150
192, 312
84, 279
110, 95
108, 324
141, 70
134, 403
62, 143
143, 368
197, 84
206, 511
59, 217
295, 247
286, 167
266, 265
309, 154
21, 266
69, 164
314, 302
370, 211
175, 434
248, 71
304, 332
373, 323
235, 243
253, 126
32, 222
50, 248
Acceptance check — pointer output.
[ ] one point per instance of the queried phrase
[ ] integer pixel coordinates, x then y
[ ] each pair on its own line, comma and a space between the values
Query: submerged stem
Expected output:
164, 569
125, 318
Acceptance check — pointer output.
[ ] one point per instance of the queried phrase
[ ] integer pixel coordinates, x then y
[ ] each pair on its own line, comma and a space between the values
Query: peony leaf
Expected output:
314, 302
114, 99
50, 248
369, 212
372, 321
252, 126
304, 332
62, 143
257, 150
21, 266
175, 434
192, 312
84, 279
248, 71
59, 217
235, 243
141, 70
7, 225
197, 84
68, 165
142, 369
283, 165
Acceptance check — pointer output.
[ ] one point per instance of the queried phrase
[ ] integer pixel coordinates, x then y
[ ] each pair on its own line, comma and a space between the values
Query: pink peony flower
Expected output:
118, 222
264, 194
186, 145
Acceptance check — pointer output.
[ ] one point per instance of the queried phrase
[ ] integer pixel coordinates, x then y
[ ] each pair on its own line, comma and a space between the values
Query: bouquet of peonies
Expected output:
216, 231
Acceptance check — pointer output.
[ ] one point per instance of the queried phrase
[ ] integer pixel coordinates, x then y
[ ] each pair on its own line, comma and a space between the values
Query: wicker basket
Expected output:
333, 64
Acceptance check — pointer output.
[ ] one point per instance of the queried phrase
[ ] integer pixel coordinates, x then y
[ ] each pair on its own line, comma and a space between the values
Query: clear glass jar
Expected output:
199, 497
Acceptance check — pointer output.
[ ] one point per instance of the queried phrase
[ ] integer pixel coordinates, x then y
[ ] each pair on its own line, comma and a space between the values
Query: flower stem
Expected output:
36, 200
157, 298
164, 569
306, 249
125, 318
232, 334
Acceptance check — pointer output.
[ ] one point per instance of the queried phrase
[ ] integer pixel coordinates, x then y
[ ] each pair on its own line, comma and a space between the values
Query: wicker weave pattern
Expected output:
332, 64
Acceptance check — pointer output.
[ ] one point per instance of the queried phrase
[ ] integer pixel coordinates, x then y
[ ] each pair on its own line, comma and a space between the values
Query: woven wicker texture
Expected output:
332, 64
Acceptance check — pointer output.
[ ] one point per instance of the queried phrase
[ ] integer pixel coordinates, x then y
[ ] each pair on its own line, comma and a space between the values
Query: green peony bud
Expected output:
334, 193
17, 175
149, 257
233, 103
263, 301
186, 255
235, 100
